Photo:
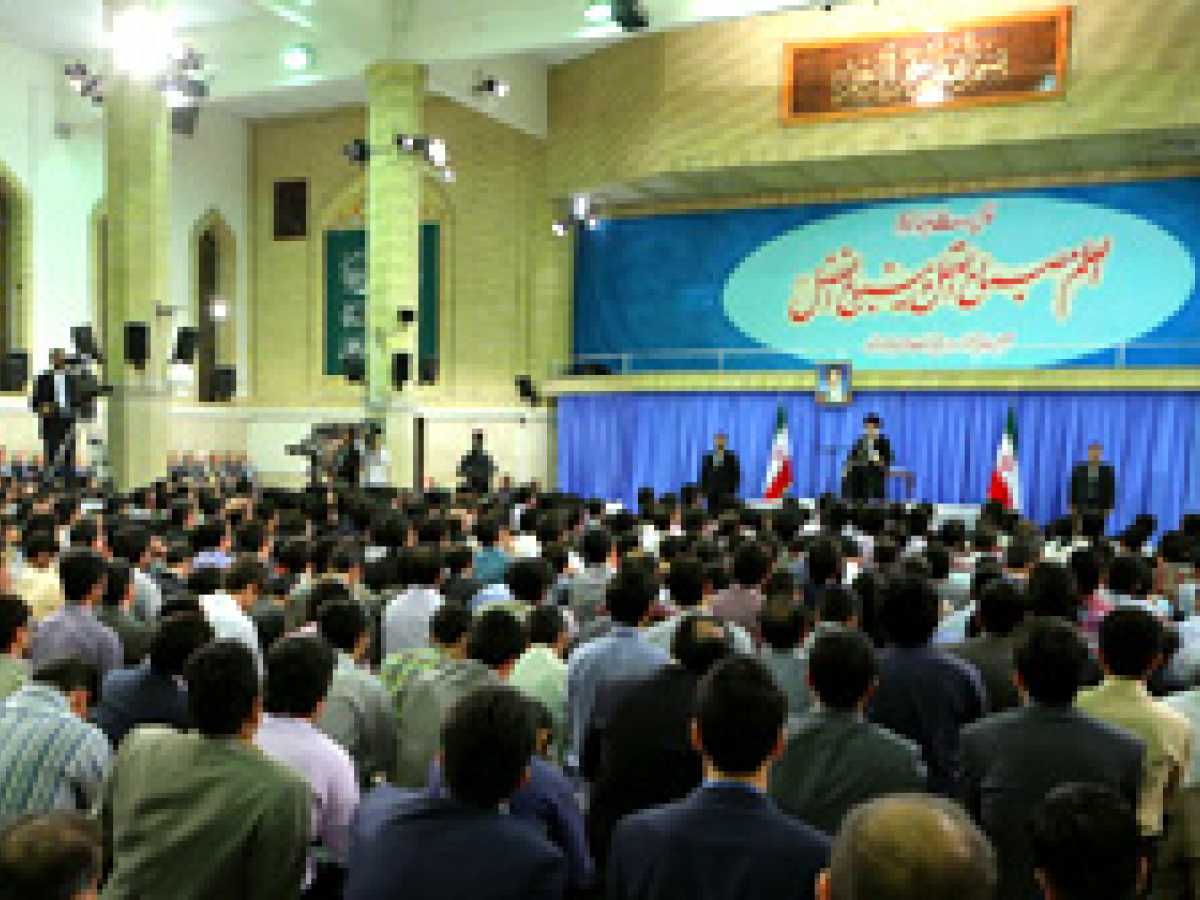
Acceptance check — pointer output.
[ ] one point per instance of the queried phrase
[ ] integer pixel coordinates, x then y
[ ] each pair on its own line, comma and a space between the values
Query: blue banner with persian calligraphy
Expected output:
1099, 275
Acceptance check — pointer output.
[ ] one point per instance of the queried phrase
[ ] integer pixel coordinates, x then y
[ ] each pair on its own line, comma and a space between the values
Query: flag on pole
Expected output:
1006, 477
779, 469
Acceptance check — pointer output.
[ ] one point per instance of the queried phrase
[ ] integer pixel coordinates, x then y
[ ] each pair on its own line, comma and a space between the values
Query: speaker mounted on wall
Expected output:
14, 370
224, 383
355, 369
186, 339
401, 370
291, 210
137, 344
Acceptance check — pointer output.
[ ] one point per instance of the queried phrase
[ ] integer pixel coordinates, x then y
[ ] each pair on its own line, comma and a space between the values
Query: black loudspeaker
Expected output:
355, 369
407, 316
14, 371
84, 340
428, 369
525, 389
401, 369
224, 383
291, 209
185, 344
137, 343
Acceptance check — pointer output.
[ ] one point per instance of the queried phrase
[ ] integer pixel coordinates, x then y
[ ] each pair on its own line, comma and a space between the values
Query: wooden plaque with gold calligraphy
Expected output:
1002, 60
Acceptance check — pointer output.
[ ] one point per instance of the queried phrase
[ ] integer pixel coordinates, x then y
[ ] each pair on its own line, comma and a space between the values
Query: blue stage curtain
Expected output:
609, 445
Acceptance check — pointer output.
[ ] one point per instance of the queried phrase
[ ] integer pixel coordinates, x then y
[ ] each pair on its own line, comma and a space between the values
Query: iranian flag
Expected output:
1006, 477
779, 469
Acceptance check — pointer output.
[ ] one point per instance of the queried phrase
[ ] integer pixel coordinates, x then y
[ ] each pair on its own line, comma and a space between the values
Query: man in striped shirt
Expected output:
50, 757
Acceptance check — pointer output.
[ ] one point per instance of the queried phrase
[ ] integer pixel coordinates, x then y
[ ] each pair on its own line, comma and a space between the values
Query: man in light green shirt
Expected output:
205, 814
541, 674
14, 638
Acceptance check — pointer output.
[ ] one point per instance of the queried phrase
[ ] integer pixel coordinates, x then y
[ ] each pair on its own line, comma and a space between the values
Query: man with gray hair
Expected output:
909, 847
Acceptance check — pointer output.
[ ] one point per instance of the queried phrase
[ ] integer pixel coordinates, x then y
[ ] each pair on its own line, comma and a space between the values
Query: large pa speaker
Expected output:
401, 370
137, 344
428, 368
224, 383
14, 370
186, 339
355, 369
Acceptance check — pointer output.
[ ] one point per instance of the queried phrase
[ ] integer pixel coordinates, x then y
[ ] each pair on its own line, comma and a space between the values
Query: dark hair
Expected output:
546, 625
293, 555
938, 558
836, 603
824, 561
39, 543
740, 712
342, 623
207, 536
246, 570
781, 623
1084, 840
595, 546
299, 672
222, 684
175, 639
80, 571
249, 537
1130, 641
629, 595
909, 612
449, 623
49, 856
14, 615
119, 576
346, 555
424, 566
1001, 607
496, 637
84, 533
1125, 575
323, 591
458, 558
1020, 554
699, 643
492, 724
1051, 591
528, 580
841, 667
685, 581
69, 674
131, 542
1088, 569
487, 531
1051, 660
750, 564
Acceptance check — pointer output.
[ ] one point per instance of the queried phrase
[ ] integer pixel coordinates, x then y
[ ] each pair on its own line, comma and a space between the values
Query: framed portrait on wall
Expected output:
833, 383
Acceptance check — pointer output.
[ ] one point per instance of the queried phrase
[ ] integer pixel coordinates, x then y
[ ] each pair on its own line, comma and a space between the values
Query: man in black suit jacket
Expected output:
447, 847
726, 840
56, 401
868, 463
1012, 760
836, 759
1093, 484
720, 475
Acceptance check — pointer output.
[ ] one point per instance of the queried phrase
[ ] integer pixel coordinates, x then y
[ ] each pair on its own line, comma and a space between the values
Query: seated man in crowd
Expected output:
74, 630
114, 611
836, 759
151, 693
206, 814
726, 839
38, 583
1084, 840
460, 844
14, 638
909, 847
55, 856
50, 756
1000, 610
448, 630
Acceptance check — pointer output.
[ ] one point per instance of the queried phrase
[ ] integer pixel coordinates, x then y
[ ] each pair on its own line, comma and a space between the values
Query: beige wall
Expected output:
708, 97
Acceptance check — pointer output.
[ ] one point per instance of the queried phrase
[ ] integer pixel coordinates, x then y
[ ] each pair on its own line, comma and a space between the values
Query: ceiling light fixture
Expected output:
143, 43
299, 58
491, 86
598, 13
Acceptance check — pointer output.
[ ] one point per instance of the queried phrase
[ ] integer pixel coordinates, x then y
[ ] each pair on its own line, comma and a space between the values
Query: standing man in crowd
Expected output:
1093, 484
720, 475
870, 459
476, 467
56, 400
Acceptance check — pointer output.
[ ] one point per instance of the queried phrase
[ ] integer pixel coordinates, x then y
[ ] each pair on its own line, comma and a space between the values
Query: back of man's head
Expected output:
824, 563
685, 581
342, 623
740, 713
1085, 841
837, 605
450, 622
492, 725
842, 668
700, 642
1050, 661
496, 639
69, 675
751, 564
910, 847
247, 571
1131, 642
629, 595
223, 689
596, 546
39, 544
1051, 591
299, 671
528, 580
546, 625
50, 856
1001, 607
14, 618
909, 613
80, 570
175, 639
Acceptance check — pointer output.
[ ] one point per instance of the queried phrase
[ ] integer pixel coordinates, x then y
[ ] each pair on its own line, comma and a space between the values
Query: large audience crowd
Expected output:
210, 690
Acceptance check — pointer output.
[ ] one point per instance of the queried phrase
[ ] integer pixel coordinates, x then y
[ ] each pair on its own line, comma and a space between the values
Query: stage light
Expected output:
142, 43
357, 151
492, 87
598, 13
218, 309
437, 152
299, 58
581, 205
77, 74
561, 228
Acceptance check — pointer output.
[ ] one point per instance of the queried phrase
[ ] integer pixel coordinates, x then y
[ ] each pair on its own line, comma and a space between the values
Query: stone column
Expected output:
137, 144
396, 96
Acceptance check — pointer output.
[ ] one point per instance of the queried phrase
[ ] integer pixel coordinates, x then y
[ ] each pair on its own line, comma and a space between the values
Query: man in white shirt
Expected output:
406, 618
228, 610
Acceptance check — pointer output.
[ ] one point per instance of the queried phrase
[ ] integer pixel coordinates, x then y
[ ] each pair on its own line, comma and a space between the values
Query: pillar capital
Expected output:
391, 77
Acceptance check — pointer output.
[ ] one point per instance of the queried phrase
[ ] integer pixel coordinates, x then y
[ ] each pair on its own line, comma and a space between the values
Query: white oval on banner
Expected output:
970, 282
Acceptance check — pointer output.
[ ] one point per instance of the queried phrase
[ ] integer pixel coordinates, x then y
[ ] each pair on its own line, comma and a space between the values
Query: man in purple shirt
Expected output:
299, 672
74, 631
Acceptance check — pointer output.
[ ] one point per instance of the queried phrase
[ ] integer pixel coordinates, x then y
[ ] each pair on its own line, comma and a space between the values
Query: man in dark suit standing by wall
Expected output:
1093, 484
868, 464
56, 402
720, 475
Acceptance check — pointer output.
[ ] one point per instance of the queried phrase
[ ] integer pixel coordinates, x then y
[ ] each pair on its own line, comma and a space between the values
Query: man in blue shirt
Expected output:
727, 839
491, 561
74, 631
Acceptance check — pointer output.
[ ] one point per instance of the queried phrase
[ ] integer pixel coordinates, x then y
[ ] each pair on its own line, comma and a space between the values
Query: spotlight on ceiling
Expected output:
598, 13
299, 57
218, 309
77, 74
358, 151
143, 43
489, 86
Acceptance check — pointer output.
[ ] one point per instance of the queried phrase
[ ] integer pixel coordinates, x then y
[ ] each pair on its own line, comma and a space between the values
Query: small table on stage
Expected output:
906, 480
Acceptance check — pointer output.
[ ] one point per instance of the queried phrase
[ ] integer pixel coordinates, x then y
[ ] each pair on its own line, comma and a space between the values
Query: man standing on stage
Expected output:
870, 459
1093, 484
56, 402
476, 468
720, 475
